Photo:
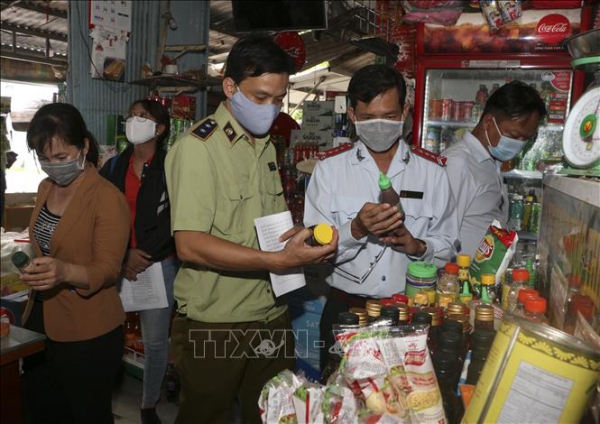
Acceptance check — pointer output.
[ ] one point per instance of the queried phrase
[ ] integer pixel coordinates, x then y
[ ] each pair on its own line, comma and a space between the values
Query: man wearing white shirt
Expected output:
509, 120
344, 192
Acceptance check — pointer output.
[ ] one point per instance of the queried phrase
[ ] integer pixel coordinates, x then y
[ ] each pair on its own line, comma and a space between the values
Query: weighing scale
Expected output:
581, 135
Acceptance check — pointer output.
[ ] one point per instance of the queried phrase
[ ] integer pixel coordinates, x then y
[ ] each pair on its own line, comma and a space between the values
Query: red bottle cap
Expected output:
387, 302
400, 298
536, 305
451, 268
526, 293
520, 274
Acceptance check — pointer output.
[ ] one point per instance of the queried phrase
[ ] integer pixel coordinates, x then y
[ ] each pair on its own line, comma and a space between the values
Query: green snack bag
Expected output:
493, 255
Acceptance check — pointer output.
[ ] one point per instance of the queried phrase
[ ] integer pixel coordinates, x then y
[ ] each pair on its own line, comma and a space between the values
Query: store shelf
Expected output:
451, 124
523, 175
174, 83
582, 189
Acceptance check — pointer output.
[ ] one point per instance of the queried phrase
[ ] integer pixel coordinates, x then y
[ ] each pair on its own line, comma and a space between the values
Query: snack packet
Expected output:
391, 370
493, 255
275, 401
308, 401
339, 405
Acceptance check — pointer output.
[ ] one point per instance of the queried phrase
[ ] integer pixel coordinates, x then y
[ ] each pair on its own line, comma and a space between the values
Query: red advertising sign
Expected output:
535, 31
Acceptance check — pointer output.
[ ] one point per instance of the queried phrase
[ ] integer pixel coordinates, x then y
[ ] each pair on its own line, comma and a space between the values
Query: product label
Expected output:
553, 28
535, 396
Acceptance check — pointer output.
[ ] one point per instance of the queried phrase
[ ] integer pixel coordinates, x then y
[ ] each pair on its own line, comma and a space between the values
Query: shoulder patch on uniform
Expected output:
335, 151
229, 132
205, 129
430, 156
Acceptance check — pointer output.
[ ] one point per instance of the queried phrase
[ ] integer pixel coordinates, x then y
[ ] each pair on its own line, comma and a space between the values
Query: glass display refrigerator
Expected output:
459, 67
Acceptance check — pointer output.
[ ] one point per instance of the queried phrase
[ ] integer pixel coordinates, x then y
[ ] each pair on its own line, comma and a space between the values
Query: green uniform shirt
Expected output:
219, 183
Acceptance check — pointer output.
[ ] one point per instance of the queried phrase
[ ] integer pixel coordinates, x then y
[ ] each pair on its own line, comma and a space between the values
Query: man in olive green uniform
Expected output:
231, 335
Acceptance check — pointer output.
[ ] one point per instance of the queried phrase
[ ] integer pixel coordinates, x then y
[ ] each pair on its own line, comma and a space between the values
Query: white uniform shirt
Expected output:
341, 185
479, 191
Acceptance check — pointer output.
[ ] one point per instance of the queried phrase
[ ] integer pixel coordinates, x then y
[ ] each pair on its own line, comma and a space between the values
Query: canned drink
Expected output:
456, 111
446, 109
435, 108
467, 111
432, 139
561, 370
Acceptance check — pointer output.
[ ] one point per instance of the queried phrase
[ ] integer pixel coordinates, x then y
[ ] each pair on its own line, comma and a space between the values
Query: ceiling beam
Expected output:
35, 32
35, 8
33, 58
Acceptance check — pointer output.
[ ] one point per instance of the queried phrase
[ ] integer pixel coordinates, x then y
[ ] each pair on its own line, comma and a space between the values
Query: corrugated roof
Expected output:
28, 26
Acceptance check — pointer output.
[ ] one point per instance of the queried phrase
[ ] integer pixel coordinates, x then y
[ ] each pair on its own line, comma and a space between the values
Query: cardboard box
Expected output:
324, 139
16, 217
317, 123
318, 108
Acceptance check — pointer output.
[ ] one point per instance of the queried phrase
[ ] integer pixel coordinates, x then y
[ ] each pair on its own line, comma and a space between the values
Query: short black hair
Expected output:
64, 122
514, 100
373, 80
159, 113
255, 55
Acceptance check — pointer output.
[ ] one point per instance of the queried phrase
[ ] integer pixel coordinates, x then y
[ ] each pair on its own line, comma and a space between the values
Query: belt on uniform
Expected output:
354, 300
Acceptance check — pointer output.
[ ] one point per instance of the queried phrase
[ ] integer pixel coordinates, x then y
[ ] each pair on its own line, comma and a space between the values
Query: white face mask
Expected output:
140, 130
379, 134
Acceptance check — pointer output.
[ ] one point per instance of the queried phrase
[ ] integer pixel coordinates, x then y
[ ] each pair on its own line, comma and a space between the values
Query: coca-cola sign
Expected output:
553, 28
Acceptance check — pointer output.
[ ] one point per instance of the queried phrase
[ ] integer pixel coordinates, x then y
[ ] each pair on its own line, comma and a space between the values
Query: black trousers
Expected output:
218, 363
71, 382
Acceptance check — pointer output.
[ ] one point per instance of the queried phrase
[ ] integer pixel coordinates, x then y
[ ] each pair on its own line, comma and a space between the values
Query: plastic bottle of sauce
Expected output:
447, 288
488, 282
520, 277
482, 95
535, 310
322, 235
388, 194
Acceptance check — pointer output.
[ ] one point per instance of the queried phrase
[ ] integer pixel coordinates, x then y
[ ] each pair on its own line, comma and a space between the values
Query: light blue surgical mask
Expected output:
507, 147
255, 118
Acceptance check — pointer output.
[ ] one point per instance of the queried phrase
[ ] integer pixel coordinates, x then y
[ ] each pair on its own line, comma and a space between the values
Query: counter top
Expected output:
19, 343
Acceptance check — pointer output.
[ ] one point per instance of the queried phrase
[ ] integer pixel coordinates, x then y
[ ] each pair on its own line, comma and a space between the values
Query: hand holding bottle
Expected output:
376, 219
45, 273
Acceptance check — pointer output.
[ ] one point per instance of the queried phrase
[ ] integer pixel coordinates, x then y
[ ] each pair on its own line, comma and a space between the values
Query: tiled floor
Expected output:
126, 404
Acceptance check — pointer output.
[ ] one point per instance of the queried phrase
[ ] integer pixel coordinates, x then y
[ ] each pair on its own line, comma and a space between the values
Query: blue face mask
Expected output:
507, 147
257, 119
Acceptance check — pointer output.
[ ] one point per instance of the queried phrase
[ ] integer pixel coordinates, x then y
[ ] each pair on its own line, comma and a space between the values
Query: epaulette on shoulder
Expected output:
334, 151
205, 129
430, 156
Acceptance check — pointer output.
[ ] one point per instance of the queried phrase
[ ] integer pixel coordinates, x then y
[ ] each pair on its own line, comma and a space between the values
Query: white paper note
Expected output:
269, 228
148, 292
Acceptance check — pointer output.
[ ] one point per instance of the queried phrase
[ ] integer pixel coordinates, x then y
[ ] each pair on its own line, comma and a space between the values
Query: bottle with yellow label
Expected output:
465, 295
322, 235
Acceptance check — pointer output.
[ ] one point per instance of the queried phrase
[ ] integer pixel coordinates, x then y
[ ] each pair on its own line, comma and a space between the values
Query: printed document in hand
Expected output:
269, 228
148, 292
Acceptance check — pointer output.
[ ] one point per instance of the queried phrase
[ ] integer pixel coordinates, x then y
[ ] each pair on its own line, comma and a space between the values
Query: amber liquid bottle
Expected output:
388, 194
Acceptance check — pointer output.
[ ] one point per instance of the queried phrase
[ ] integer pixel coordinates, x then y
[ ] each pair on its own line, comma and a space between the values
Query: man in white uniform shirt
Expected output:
510, 119
344, 192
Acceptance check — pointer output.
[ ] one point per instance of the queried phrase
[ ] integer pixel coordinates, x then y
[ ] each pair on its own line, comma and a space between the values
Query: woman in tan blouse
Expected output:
79, 230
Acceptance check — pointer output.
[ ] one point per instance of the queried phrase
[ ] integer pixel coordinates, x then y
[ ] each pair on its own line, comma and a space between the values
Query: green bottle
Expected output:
465, 295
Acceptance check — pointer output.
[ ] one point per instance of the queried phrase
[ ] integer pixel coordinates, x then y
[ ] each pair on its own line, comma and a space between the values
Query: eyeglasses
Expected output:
356, 279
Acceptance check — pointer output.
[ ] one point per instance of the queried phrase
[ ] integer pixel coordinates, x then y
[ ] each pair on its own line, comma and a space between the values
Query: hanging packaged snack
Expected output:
494, 253
509, 10
492, 15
